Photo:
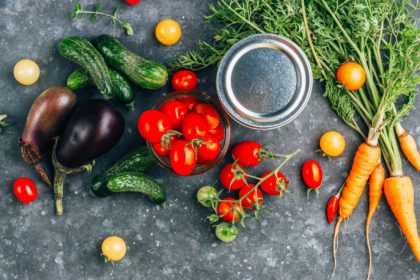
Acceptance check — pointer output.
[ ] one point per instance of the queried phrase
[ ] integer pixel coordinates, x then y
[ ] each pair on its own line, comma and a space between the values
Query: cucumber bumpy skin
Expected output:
140, 71
122, 89
137, 161
137, 182
83, 53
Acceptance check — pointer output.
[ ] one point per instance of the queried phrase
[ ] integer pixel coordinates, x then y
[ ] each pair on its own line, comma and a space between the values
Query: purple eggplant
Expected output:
93, 129
48, 115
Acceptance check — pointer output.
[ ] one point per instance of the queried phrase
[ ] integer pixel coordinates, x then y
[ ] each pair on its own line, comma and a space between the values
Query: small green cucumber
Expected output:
140, 71
83, 53
122, 89
134, 182
137, 161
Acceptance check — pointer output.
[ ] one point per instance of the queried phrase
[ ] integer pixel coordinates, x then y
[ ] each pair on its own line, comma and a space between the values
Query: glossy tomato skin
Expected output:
184, 80
209, 149
254, 198
209, 113
247, 153
332, 143
312, 174
218, 132
194, 126
226, 177
182, 157
226, 213
351, 75
163, 150
168, 32
175, 111
152, 125
190, 102
132, 2
25, 190
272, 185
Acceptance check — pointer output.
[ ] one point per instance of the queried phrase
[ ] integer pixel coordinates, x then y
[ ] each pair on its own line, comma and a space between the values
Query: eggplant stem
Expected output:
41, 171
59, 177
59, 191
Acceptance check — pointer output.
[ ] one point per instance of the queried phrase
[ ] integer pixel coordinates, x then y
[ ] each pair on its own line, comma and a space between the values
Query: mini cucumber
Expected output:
122, 89
133, 182
140, 71
83, 53
137, 161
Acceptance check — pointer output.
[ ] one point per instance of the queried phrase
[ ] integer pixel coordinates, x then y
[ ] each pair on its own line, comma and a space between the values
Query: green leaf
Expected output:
115, 12
128, 29
76, 10
93, 18
98, 8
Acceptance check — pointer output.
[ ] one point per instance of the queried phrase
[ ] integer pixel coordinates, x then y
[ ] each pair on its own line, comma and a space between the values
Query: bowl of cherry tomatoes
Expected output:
187, 133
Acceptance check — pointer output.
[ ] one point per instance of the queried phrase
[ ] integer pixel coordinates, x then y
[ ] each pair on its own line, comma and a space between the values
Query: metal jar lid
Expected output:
264, 81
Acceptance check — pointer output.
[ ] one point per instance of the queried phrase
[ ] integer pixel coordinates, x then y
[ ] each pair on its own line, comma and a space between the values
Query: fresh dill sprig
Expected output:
79, 11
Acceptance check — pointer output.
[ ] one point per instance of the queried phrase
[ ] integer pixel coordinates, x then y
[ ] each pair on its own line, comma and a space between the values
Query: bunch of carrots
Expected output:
367, 52
381, 68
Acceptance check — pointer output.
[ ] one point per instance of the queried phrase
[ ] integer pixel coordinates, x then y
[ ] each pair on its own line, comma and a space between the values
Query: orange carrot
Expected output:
399, 193
408, 146
376, 183
364, 163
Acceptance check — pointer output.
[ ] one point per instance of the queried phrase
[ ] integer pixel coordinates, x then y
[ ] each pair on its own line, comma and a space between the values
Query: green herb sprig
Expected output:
3, 123
78, 11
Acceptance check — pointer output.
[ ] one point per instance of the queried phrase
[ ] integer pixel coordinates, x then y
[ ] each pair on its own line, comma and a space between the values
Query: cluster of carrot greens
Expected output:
381, 37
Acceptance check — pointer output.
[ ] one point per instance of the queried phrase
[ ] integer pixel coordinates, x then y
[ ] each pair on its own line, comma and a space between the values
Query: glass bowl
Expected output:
164, 162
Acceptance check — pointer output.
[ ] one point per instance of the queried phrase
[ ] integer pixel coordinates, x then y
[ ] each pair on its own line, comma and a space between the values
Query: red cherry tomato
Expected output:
25, 190
228, 180
190, 102
209, 148
248, 153
218, 132
274, 185
209, 113
182, 157
152, 125
252, 199
175, 111
229, 211
163, 150
194, 126
184, 80
132, 2
312, 174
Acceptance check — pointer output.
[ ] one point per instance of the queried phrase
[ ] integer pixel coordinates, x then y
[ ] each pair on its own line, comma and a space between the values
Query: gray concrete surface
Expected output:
293, 242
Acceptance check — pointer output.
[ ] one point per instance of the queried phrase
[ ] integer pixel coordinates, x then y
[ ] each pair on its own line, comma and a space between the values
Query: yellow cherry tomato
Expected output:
332, 143
168, 32
26, 72
351, 75
113, 248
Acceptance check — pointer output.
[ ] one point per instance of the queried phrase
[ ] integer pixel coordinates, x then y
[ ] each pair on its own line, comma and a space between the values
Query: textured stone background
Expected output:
294, 242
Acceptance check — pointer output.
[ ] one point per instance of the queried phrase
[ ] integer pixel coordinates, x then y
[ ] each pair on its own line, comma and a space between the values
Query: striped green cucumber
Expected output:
140, 71
137, 161
133, 182
122, 89
83, 53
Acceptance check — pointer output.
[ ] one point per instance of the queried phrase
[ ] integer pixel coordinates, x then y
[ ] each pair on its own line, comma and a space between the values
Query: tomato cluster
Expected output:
187, 130
234, 177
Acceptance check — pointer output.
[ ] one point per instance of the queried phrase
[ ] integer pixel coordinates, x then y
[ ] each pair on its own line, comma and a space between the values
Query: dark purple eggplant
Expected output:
46, 119
93, 129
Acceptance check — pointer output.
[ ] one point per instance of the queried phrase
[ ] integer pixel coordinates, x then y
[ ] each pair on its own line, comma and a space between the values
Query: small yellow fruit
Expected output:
332, 143
114, 248
168, 32
26, 72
